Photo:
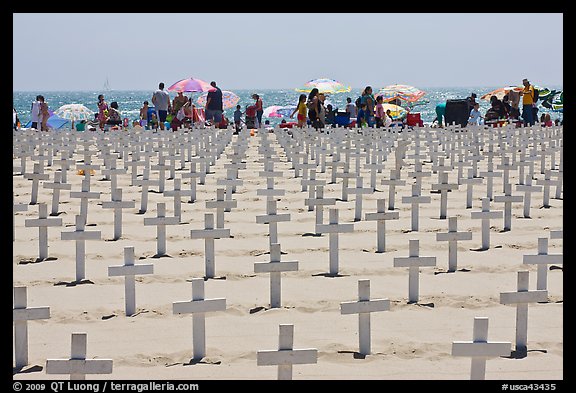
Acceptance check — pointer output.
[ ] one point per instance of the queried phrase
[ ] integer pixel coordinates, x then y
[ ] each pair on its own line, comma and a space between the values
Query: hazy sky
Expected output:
245, 51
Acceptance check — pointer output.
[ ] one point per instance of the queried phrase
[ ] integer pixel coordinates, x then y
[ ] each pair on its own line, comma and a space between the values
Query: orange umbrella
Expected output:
501, 92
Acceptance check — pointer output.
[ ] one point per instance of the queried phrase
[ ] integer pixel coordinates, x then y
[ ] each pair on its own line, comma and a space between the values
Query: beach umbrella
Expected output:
501, 92
278, 111
229, 99
74, 112
554, 101
405, 93
324, 85
190, 85
396, 111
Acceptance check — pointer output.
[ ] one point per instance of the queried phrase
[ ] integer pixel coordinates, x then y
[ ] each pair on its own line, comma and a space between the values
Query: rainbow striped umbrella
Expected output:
190, 85
278, 111
403, 92
396, 112
74, 112
229, 99
324, 85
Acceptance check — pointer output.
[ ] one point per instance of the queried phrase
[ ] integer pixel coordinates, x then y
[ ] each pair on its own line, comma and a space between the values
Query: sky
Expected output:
76, 52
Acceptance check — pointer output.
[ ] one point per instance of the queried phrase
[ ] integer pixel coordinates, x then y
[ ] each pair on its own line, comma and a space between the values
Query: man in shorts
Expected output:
161, 101
214, 109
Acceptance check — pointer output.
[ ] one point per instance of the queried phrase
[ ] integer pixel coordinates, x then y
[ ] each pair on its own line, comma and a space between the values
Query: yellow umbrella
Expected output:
396, 111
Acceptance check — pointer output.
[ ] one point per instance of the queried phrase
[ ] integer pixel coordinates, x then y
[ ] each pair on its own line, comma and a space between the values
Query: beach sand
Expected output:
410, 341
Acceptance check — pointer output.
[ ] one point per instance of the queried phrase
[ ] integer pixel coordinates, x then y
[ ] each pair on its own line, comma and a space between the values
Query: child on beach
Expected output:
380, 115
301, 109
144, 114
475, 115
361, 118
237, 119
102, 106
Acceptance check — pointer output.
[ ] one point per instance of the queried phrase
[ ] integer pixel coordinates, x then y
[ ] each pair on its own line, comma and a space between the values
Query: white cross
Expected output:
36, 175
16, 207
161, 221
220, 205
192, 175
556, 234
21, 314
392, 183
312, 182
87, 167
380, 217
363, 307
230, 182
272, 219
161, 167
112, 172
452, 237
78, 366
270, 192
333, 228
345, 175
485, 215
144, 183
198, 307
84, 195
542, 259
56, 187
80, 235
506, 167
490, 175
444, 187
415, 200
414, 262
528, 189
318, 203
209, 234
508, 199
470, 181
177, 193
117, 204
286, 356
441, 169
43, 222
275, 267
373, 167
334, 164
521, 299
129, 270
546, 182
134, 164
418, 174
359, 191
480, 349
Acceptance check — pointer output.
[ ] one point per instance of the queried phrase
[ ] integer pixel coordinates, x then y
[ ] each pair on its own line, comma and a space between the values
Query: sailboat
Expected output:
106, 87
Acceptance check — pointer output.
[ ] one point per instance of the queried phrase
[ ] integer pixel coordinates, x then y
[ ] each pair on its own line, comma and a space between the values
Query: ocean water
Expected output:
130, 102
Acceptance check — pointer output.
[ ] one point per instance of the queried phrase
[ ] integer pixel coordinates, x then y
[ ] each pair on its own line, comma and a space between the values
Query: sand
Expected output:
410, 341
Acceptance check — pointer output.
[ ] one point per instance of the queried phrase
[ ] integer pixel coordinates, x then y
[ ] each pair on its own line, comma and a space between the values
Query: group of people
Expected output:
39, 113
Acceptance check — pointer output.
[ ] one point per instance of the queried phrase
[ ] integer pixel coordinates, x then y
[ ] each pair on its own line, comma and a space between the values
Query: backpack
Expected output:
536, 94
358, 102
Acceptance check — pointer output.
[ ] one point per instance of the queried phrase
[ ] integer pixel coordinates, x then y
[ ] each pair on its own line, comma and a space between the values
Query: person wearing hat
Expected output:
471, 101
527, 102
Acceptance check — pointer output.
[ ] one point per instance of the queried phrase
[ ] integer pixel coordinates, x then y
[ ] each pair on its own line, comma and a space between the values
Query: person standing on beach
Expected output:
527, 102
214, 108
161, 101
368, 99
301, 109
379, 113
178, 102
144, 115
321, 110
44, 114
102, 111
259, 109
351, 108
35, 112
313, 105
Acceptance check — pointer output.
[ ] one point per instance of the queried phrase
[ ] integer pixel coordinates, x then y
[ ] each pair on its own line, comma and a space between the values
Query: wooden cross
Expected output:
542, 259
177, 193
117, 204
78, 366
220, 205
345, 175
272, 219
363, 307
334, 229
230, 182
452, 237
209, 234
418, 174
485, 215
392, 183
380, 217
80, 235
192, 175
528, 189
275, 267
506, 166
43, 222
470, 181
162, 168
84, 195
144, 183
198, 307
359, 191
490, 175
36, 175
521, 299
16, 207
318, 203
286, 356
415, 200
444, 187
508, 199
270, 192
56, 187
546, 182
21, 314
414, 262
129, 270
112, 172
161, 221
480, 349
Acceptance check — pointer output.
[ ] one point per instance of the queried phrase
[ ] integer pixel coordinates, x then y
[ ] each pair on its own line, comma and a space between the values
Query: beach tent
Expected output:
53, 122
